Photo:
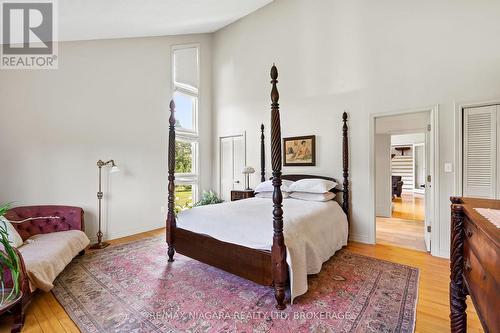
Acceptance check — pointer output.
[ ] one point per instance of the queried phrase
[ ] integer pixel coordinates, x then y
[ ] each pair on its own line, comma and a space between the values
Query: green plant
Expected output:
9, 259
208, 198
180, 207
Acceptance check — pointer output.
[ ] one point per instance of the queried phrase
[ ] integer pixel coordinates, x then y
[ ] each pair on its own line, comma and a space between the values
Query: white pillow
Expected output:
312, 185
267, 186
13, 236
322, 197
269, 195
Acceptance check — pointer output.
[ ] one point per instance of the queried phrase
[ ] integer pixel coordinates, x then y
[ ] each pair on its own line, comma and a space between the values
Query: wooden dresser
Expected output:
475, 270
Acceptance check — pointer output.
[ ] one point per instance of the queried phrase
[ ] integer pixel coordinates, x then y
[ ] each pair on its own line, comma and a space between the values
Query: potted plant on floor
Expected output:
10, 263
208, 198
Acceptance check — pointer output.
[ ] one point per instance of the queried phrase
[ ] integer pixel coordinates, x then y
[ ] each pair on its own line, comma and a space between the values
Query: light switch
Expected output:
448, 167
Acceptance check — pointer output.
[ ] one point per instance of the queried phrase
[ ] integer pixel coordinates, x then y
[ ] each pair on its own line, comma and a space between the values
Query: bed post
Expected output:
262, 155
345, 162
458, 288
278, 250
171, 223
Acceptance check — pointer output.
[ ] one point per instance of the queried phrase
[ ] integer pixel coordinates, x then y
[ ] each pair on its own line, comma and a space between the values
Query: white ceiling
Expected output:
103, 19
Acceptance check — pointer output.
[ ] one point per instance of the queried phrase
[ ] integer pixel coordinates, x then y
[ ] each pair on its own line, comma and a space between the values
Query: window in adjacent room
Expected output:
185, 78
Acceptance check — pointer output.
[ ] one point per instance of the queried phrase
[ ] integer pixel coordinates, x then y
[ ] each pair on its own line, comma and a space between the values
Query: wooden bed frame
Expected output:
263, 267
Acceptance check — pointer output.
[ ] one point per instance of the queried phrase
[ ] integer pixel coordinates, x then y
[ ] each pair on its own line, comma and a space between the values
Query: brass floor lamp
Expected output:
100, 244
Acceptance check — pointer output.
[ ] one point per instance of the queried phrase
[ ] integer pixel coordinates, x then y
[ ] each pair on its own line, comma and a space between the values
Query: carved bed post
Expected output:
171, 223
458, 292
262, 155
345, 165
278, 250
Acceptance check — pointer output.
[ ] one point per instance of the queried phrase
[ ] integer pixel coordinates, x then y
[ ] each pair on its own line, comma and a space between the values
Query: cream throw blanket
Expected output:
46, 255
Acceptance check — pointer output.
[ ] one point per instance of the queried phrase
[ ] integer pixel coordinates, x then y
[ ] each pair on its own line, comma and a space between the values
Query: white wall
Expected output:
362, 56
108, 99
383, 180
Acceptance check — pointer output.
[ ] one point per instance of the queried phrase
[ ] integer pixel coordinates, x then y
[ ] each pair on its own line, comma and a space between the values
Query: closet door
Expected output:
497, 164
226, 168
480, 152
238, 162
232, 162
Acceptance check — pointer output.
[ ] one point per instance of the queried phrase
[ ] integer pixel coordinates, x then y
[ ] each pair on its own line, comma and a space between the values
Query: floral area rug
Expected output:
132, 288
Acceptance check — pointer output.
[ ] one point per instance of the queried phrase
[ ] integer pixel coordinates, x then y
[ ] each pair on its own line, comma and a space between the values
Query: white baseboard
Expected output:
127, 232
360, 238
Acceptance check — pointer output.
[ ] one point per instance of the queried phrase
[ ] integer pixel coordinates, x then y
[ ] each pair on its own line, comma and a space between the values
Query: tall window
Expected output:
185, 78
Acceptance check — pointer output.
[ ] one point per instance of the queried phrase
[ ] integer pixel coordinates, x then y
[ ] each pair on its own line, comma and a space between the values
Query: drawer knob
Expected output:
469, 233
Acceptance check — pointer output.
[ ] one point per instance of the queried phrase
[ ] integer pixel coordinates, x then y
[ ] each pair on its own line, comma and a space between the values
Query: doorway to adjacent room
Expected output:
403, 179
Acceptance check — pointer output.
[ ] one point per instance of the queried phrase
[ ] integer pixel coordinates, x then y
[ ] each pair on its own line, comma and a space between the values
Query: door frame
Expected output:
434, 172
459, 139
231, 135
418, 190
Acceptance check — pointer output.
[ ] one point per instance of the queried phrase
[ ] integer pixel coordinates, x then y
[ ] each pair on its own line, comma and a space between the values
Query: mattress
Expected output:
313, 231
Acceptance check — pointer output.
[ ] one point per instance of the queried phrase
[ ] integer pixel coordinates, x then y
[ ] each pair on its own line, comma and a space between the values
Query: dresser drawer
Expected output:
485, 251
483, 288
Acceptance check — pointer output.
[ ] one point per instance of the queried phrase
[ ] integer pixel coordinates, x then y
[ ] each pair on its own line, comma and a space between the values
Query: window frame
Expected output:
182, 86
194, 189
194, 159
184, 134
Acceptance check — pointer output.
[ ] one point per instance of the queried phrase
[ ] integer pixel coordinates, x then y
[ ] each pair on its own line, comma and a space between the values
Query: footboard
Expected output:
251, 264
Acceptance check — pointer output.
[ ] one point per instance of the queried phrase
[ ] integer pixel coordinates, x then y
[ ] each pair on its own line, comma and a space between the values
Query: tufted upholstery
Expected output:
70, 218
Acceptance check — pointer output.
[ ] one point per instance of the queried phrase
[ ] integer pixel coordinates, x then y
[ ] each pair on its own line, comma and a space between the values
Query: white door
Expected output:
226, 168
480, 152
238, 162
232, 162
428, 193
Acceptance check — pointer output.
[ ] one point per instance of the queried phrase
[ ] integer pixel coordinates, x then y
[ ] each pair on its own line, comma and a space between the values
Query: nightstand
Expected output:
241, 194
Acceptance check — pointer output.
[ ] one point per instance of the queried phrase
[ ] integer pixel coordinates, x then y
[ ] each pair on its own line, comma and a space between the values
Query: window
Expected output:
186, 108
185, 78
185, 157
183, 197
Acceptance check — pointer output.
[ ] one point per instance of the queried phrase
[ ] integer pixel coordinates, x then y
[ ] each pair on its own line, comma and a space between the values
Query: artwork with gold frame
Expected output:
299, 151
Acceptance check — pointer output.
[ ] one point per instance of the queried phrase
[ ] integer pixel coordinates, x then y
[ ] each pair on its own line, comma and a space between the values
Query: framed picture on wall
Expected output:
299, 151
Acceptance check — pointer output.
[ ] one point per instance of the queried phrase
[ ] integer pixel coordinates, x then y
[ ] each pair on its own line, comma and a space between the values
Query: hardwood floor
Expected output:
406, 226
46, 315
398, 232
409, 207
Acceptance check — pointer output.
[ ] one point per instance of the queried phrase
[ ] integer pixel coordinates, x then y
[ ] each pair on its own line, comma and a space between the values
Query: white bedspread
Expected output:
313, 231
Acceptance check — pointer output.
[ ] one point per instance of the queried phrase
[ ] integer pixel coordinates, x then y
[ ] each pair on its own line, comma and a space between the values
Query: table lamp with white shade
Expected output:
247, 171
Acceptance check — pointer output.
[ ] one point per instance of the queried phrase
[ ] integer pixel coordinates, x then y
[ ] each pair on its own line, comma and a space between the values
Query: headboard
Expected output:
345, 166
294, 178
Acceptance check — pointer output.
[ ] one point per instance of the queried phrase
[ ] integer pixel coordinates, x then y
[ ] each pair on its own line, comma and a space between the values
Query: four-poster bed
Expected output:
263, 264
